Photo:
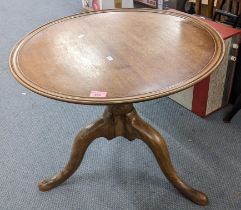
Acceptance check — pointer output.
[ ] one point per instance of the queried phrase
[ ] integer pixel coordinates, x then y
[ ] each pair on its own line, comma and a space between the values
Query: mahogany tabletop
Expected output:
127, 55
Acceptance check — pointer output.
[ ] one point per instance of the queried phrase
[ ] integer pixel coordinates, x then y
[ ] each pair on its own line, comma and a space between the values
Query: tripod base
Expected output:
123, 120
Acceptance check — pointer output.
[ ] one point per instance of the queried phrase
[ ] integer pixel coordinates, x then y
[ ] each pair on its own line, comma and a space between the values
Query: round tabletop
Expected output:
116, 56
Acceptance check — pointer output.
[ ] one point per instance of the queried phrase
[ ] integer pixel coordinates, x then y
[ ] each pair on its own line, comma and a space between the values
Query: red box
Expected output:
213, 92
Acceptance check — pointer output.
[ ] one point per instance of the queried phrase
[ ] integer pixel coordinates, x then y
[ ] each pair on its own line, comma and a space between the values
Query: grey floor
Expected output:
36, 135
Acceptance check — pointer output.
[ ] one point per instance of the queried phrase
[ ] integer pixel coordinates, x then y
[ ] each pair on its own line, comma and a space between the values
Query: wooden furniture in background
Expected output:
198, 6
210, 8
230, 9
118, 3
149, 3
71, 58
205, 7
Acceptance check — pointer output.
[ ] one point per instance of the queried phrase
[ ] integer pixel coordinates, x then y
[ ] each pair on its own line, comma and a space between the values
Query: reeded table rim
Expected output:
206, 71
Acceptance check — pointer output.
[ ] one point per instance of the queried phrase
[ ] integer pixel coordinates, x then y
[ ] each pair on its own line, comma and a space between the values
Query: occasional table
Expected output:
117, 58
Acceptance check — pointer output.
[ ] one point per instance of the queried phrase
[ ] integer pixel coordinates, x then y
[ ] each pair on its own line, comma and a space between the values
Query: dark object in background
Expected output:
235, 97
189, 7
138, 5
233, 111
236, 88
177, 4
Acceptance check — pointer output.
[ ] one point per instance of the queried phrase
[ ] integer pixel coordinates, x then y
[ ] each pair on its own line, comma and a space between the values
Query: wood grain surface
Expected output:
133, 55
